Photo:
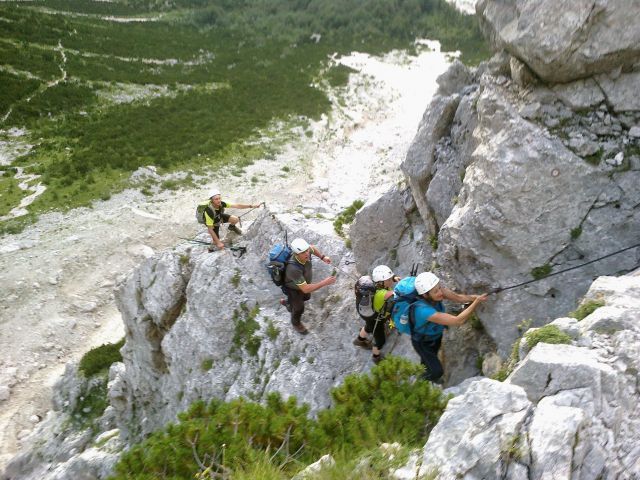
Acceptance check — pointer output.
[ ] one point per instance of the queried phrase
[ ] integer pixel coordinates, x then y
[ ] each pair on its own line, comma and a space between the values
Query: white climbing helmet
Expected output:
425, 282
381, 273
299, 246
214, 192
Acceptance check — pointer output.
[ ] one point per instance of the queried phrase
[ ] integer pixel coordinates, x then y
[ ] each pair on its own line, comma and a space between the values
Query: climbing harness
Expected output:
502, 289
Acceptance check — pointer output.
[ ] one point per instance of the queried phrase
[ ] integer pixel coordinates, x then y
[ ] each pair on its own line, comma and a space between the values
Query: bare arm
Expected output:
242, 205
456, 320
312, 287
458, 297
316, 252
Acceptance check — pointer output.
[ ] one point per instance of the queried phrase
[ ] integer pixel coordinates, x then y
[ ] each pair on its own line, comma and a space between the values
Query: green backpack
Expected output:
200, 209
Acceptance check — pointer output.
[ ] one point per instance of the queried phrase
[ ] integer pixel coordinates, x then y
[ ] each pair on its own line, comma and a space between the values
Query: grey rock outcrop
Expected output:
509, 181
203, 326
63, 447
567, 411
565, 40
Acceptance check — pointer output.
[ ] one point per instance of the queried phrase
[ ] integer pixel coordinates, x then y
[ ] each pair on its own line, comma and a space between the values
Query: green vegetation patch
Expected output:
91, 404
10, 192
246, 327
206, 365
338, 75
249, 440
98, 360
510, 364
587, 308
94, 366
540, 272
547, 334
346, 217
575, 233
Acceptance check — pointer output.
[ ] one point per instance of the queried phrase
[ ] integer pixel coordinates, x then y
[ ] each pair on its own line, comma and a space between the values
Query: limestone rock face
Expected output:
209, 325
567, 411
61, 448
509, 181
565, 40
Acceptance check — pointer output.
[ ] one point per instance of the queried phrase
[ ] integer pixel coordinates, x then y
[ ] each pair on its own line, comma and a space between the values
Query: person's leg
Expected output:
362, 339
379, 339
296, 302
216, 230
232, 220
428, 351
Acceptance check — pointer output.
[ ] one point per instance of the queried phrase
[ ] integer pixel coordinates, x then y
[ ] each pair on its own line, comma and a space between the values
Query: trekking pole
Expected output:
193, 240
502, 289
236, 251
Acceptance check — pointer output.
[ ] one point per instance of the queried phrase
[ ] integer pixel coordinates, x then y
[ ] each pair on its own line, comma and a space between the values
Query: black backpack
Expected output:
364, 290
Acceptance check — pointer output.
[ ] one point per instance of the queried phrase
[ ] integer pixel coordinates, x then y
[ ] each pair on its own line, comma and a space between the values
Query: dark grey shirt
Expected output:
297, 273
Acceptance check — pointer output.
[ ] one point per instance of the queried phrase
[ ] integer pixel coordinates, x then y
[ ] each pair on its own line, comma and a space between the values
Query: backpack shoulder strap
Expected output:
412, 318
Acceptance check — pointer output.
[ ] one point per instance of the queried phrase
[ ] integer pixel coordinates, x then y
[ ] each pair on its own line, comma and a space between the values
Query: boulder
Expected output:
564, 40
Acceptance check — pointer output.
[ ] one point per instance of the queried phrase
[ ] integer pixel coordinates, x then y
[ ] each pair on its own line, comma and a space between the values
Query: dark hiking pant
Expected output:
376, 326
296, 301
427, 348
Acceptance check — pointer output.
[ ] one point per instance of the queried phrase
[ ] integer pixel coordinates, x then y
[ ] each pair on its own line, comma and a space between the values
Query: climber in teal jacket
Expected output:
430, 320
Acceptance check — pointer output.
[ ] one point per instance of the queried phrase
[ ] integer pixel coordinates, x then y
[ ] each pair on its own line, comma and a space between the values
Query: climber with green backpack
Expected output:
380, 286
211, 213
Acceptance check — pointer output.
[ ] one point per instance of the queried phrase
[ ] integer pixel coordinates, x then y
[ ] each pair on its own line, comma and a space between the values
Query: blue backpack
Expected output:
277, 264
404, 296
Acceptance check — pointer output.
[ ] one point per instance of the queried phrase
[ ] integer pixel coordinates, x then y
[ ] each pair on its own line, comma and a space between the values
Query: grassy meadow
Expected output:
186, 87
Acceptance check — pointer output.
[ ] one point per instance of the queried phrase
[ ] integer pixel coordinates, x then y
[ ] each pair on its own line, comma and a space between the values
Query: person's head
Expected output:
301, 249
428, 287
216, 197
382, 275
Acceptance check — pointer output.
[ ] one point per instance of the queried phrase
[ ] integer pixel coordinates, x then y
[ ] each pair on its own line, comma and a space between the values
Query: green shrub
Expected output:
391, 404
586, 309
272, 331
547, 334
277, 439
98, 360
346, 217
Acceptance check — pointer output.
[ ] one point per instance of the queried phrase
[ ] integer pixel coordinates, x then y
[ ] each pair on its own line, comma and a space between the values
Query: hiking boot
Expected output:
285, 304
377, 358
234, 229
301, 329
366, 344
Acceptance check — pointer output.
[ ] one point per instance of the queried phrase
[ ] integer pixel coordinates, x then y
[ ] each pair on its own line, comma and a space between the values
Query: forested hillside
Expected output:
93, 90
